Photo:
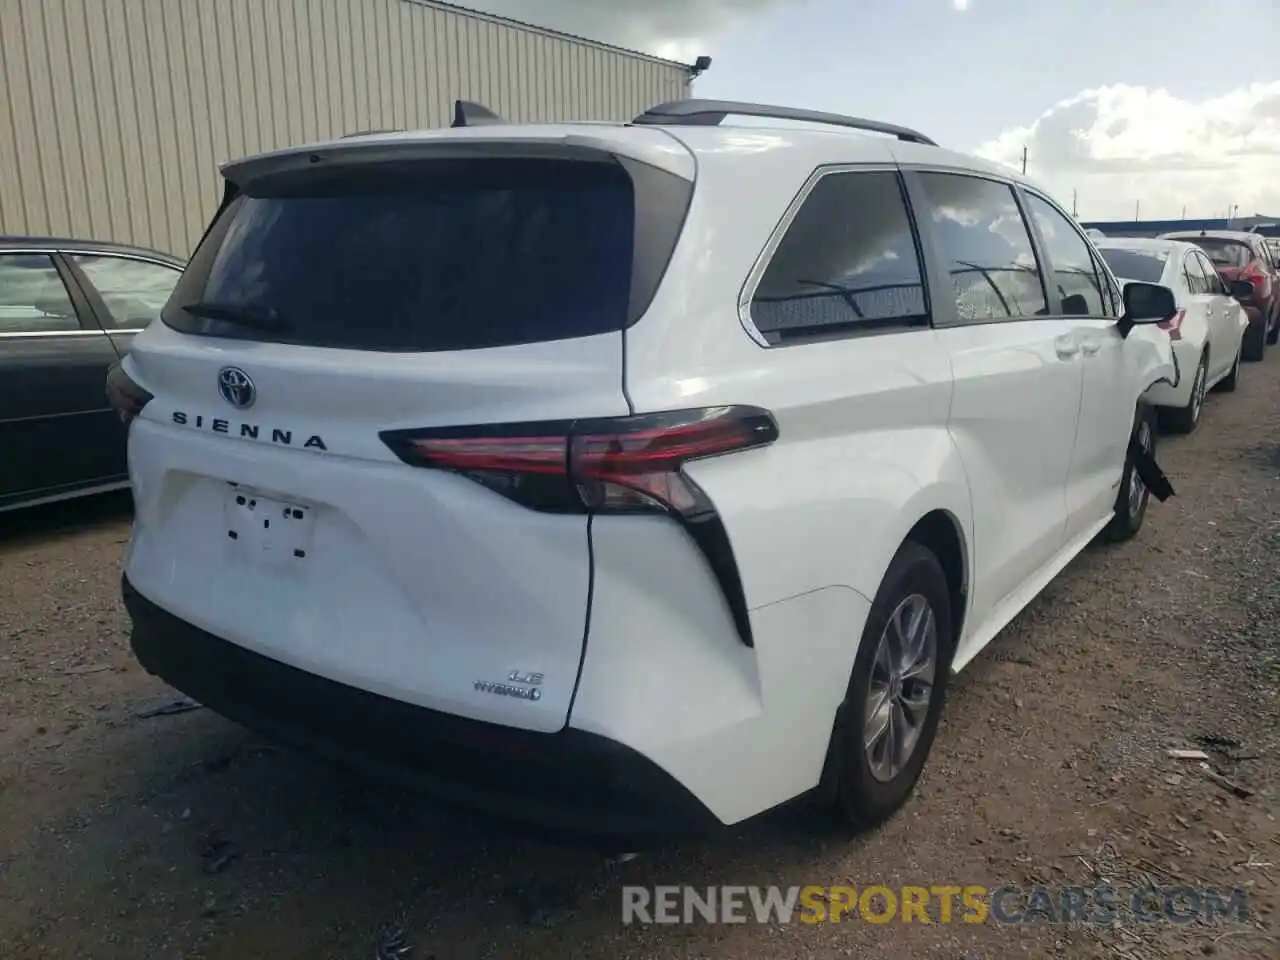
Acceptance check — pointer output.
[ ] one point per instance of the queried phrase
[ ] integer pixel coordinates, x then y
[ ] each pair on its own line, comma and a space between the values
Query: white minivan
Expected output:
626, 477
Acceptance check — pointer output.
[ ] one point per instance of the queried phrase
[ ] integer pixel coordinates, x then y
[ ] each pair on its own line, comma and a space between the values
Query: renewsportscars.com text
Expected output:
942, 903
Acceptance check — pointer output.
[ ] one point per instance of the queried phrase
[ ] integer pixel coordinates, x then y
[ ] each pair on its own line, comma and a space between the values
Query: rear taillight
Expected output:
1254, 274
605, 466
1174, 324
124, 394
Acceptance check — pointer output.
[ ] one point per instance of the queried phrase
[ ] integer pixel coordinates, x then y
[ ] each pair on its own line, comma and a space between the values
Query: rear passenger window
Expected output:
986, 246
1196, 280
1211, 275
848, 261
33, 298
133, 291
1075, 289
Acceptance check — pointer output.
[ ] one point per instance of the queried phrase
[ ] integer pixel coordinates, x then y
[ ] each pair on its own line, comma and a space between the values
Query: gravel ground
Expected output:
184, 836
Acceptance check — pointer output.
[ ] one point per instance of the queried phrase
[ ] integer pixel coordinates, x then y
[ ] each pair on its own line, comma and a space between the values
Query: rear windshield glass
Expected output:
425, 256
1225, 253
1145, 266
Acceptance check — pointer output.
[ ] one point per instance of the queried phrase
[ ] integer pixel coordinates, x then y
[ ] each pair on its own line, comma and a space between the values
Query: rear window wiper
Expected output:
244, 315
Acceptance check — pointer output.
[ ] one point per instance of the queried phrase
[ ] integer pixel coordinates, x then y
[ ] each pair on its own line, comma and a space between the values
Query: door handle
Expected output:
1066, 346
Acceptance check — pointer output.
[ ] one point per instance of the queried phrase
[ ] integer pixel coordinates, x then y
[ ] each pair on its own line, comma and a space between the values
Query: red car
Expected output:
1244, 256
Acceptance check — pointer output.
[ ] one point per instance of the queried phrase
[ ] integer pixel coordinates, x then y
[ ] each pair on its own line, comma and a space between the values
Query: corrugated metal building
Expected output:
114, 114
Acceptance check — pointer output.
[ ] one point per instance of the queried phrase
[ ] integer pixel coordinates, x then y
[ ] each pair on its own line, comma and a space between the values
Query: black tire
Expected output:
862, 798
1185, 419
1229, 383
1255, 342
1127, 517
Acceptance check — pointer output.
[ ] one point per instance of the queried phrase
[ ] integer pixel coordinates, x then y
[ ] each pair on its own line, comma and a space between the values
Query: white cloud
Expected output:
1121, 145
960, 6
677, 29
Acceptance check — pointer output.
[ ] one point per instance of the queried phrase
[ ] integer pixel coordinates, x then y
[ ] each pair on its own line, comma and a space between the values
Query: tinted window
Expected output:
424, 256
848, 260
133, 290
986, 246
33, 298
1075, 288
1224, 253
1146, 266
1213, 278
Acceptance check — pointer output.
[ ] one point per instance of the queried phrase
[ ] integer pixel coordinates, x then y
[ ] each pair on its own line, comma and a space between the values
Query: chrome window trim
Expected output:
116, 256
50, 251
77, 332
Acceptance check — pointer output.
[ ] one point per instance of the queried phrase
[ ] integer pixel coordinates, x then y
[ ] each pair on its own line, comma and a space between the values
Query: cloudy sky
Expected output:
1166, 103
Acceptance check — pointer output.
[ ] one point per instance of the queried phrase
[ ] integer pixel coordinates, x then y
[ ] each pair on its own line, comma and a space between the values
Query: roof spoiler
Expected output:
468, 113
710, 113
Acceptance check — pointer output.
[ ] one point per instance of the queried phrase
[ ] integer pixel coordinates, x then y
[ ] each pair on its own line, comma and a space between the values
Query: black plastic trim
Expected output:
570, 780
468, 113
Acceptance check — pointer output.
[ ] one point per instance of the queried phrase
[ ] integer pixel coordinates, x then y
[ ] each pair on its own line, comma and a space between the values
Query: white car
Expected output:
626, 477
1208, 329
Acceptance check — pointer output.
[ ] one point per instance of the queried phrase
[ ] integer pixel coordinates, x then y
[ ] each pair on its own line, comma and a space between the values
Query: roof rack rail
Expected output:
370, 133
711, 113
468, 113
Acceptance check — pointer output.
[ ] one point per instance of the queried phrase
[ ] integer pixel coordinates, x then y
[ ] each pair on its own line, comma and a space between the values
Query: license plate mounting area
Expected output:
267, 528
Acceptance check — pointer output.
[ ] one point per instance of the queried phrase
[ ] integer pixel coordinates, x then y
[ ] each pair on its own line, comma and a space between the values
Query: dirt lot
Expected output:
184, 836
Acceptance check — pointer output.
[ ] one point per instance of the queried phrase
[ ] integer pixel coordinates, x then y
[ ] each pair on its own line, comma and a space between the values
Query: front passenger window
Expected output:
986, 246
33, 298
1075, 289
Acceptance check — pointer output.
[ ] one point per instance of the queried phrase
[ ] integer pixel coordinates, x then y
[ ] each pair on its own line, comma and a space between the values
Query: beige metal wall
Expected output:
114, 114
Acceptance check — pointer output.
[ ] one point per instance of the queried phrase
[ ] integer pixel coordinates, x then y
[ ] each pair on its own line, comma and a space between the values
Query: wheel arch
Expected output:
940, 532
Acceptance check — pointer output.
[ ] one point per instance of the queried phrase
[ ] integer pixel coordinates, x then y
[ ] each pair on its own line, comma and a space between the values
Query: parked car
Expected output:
1208, 329
68, 311
1238, 255
694, 512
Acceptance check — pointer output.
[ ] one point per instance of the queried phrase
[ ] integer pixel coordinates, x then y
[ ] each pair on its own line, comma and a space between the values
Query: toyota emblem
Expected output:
236, 387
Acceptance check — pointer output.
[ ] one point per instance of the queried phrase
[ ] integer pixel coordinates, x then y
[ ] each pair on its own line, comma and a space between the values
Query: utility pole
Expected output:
1024, 160
1184, 211
1074, 211
1137, 209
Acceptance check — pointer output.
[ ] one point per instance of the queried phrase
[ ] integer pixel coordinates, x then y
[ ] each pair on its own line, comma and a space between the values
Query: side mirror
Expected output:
1146, 303
1241, 289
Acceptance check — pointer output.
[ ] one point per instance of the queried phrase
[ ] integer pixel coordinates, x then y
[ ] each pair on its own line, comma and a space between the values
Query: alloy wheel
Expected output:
900, 690
1138, 489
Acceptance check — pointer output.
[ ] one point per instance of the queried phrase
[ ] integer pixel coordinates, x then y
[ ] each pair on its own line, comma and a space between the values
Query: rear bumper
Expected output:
570, 781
